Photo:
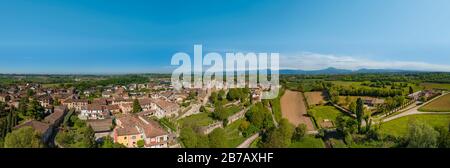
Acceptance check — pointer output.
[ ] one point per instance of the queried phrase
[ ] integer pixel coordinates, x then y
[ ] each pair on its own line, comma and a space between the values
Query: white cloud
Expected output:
315, 61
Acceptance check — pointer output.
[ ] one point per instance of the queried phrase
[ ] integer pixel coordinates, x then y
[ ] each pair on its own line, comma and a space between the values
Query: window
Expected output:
124, 137
133, 137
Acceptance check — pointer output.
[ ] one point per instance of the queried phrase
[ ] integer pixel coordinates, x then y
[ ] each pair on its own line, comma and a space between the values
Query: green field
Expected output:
234, 138
196, 120
429, 86
399, 127
308, 142
359, 85
336, 143
320, 113
442, 104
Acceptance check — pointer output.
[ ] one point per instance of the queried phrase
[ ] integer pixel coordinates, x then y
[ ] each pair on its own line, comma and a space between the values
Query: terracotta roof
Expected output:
113, 107
145, 101
165, 105
94, 107
100, 125
146, 113
59, 112
133, 124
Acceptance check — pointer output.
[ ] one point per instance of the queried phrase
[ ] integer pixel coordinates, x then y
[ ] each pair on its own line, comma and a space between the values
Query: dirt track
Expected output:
293, 108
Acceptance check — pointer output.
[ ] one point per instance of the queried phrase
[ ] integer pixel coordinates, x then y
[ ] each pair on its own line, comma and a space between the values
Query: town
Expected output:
136, 115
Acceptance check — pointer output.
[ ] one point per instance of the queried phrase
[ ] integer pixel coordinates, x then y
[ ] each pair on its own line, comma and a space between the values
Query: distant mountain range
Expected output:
335, 71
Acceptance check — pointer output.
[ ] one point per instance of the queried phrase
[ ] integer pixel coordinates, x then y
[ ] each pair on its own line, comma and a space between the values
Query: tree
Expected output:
421, 135
30, 92
89, 137
444, 137
25, 137
136, 106
221, 95
260, 116
35, 110
334, 95
368, 121
299, 133
220, 113
108, 142
213, 98
359, 112
217, 138
411, 90
345, 125
280, 137
188, 137
140, 143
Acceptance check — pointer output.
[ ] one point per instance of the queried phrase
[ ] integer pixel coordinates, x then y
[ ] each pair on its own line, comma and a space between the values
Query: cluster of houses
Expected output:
423, 93
133, 128
109, 114
47, 126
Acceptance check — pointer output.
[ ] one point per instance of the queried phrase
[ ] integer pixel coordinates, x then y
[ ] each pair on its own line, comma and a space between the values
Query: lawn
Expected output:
399, 127
308, 142
442, 104
435, 86
320, 113
337, 143
234, 138
232, 109
196, 120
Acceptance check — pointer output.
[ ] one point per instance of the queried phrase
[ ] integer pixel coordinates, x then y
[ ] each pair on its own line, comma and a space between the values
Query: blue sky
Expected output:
112, 36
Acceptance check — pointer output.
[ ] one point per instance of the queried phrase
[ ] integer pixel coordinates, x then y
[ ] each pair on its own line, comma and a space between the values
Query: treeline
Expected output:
115, 80
10, 116
412, 77
373, 92
8, 119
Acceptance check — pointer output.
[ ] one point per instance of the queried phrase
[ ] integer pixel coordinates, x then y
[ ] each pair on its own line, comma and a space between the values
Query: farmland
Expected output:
442, 104
399, 127
294, 109
315, 98
435, 86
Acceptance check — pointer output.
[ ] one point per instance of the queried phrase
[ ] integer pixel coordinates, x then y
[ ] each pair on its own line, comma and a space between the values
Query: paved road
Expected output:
248, 141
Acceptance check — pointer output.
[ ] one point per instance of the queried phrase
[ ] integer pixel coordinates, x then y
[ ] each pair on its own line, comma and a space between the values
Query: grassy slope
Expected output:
201, 119
234, 138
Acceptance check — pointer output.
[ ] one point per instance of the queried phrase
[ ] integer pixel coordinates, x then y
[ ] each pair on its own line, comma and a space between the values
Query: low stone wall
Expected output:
211, 127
